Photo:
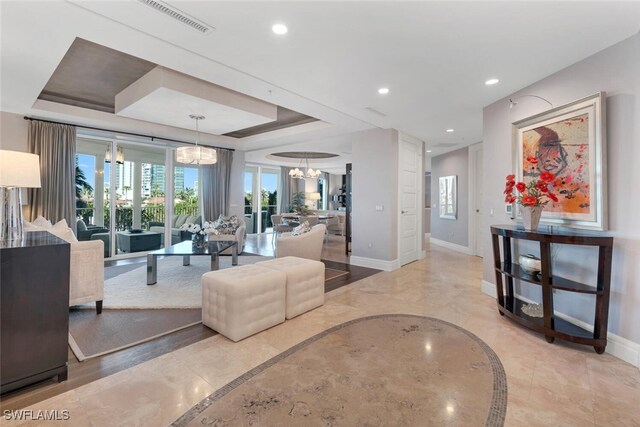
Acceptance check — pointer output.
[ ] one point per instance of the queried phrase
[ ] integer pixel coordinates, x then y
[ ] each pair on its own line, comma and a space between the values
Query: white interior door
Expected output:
410, 220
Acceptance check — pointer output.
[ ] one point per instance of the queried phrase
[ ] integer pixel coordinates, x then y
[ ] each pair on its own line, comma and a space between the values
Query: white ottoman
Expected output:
305, 283
241, 301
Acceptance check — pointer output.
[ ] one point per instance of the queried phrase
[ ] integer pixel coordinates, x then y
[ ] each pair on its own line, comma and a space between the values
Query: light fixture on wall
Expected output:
119, 155
310, 173
17, 170
196, 154
513, 103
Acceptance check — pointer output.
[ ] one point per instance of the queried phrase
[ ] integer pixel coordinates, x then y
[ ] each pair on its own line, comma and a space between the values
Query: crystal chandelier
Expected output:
196, 154
299, 174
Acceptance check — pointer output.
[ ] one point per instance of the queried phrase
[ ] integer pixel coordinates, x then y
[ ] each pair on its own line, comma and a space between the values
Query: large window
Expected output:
125, 198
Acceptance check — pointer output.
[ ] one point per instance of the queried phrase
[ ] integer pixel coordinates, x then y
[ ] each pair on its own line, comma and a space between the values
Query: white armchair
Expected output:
239, 235
307, 245
86, 281
86, 270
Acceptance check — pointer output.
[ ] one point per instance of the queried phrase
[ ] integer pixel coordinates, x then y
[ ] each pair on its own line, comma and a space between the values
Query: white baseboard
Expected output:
423, 255
452, 246
617, 346
378, 264
489, 289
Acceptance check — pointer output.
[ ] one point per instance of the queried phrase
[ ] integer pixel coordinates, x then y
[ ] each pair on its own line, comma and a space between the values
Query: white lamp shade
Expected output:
314, 196
18, 169
196, 155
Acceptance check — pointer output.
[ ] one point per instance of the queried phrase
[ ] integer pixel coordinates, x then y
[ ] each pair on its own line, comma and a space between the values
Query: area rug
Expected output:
389, 369
92, 336
135, 313
178, 286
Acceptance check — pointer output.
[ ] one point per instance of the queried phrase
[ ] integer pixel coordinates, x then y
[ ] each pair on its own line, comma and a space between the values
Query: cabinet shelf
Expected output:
507, 272
557, 282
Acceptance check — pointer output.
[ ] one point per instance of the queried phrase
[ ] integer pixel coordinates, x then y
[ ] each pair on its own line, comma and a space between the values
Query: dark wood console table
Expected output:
550, 325
34, 310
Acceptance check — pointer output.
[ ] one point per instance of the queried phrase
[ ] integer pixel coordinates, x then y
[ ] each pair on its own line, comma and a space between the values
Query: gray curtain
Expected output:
285, 189
56, 145
215, 186
289, 187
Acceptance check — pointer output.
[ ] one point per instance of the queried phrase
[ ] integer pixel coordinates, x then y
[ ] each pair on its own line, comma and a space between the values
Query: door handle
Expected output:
403, 212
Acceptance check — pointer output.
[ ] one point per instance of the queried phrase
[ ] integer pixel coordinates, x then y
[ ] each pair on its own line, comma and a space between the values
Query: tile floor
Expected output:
556, 384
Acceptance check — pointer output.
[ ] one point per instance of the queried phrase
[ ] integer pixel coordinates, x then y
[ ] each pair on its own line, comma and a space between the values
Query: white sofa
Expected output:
307, 245
239, 236
86, 272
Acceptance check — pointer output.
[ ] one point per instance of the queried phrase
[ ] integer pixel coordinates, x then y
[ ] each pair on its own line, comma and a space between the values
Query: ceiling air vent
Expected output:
177, 14
374, 111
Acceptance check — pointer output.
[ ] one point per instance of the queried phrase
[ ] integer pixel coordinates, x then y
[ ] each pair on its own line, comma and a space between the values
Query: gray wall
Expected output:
451, 230
236, 184
375, 182
13, 132
615, 70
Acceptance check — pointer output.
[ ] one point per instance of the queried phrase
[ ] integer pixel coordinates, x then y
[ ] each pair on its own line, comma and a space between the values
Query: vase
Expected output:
531, 217
198, 241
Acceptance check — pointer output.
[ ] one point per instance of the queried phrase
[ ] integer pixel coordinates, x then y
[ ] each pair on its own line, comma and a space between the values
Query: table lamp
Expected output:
17, 170
315, 197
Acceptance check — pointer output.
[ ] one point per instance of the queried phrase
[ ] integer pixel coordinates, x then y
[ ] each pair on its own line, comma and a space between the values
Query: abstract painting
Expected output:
568, 142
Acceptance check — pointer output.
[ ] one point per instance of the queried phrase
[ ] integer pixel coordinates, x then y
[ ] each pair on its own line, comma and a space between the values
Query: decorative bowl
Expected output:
530, 264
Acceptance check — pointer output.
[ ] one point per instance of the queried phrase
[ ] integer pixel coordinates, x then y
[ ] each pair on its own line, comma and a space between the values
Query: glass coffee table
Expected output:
186, 250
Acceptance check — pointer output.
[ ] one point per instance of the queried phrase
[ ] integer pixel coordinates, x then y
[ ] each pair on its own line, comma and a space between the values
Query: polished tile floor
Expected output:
556, 384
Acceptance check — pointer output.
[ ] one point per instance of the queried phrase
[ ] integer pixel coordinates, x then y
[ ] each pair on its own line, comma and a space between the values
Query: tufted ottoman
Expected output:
241, 301
305, 283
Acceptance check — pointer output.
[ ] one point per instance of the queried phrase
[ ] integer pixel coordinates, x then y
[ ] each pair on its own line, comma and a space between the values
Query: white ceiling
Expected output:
433, 56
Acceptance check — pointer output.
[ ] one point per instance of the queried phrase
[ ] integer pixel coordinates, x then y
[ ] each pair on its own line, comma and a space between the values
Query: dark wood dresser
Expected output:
34, 309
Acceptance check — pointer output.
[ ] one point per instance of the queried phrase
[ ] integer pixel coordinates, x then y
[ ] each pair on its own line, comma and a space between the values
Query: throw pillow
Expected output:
301, 229
61, 230
226, 225
42, 222
81, 226
180, 219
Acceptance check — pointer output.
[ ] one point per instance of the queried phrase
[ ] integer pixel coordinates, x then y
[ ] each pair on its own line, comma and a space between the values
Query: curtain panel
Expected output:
56, 145
288, 187
215, 186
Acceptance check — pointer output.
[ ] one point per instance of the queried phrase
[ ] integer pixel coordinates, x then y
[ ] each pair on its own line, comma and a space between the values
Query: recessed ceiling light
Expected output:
450, 130
491, 82
383, 90
279, 29
428, 151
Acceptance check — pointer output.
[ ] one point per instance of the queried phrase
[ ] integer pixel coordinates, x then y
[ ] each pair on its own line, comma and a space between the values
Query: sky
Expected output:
269, 181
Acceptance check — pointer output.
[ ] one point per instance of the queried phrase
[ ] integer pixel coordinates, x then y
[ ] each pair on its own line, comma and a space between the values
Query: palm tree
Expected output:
81, 181
82, 186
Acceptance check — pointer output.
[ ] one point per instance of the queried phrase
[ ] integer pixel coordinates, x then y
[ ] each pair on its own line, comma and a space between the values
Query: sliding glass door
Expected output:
261, 197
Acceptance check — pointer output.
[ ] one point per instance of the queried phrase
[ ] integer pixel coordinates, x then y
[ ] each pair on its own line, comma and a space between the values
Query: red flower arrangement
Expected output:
533, 193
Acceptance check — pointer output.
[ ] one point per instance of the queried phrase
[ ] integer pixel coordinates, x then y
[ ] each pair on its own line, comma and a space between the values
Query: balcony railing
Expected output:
124, 215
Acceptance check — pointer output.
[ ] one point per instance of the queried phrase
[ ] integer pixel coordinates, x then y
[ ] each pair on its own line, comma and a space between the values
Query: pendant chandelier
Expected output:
119, 155
196, 154
310, 173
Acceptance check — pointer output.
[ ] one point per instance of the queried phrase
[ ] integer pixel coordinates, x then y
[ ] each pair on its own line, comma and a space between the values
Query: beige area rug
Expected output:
92, 336
135, 313
178, 286
381, 370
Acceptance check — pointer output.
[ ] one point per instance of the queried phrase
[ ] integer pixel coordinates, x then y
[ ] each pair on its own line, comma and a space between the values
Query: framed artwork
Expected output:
448, 197
568, 141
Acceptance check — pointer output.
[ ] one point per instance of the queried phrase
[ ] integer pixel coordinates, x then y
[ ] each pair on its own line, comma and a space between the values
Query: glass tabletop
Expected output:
187, 248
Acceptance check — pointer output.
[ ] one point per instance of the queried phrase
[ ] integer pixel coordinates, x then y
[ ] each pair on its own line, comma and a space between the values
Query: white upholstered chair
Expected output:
279, 226
307, 245
86, 270
239, 236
